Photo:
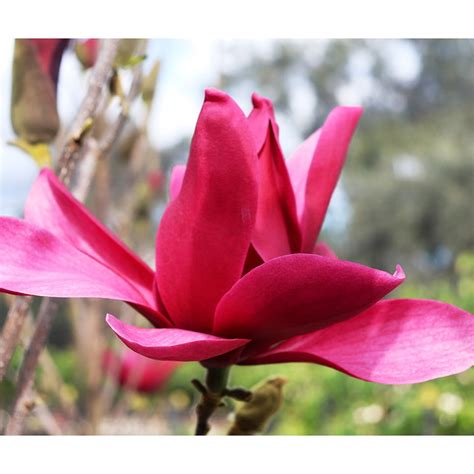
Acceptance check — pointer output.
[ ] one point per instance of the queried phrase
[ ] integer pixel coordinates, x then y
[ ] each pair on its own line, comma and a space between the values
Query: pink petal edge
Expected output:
172, 344
176, 180
297, 294
36, 262
397, 341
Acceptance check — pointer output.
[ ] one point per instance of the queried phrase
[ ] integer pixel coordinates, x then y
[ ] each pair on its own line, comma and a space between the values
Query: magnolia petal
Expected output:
296, 294
260, 118
176, 180
36, 262
393, 342
170, 343
298, 169
205, 232
315, 168
276, 230
51, 206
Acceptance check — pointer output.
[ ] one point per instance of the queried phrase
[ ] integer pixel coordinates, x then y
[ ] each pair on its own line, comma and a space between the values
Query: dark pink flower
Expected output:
135, 372
237, 278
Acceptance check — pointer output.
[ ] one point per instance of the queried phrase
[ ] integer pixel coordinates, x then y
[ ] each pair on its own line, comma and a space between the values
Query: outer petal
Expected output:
171, 343
296, 294
276, 230
176, 180
35, 262
51, 206
327, 160
204, 235
393, 342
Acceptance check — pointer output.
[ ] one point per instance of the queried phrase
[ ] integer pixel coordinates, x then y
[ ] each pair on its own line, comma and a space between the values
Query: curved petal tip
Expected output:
399, 273
260, 102
356, 109
215, 95
112, 321
172, 343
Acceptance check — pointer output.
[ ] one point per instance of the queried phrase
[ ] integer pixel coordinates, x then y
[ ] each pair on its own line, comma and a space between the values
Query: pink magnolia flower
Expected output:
237, 279
135, 372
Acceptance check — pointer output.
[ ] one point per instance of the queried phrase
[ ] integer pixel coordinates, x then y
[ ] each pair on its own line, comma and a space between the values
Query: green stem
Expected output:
211, 396
216, 379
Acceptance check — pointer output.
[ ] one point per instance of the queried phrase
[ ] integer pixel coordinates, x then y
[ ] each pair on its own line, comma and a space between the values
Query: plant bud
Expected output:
34, 113
127, 51
253, 416
87, 51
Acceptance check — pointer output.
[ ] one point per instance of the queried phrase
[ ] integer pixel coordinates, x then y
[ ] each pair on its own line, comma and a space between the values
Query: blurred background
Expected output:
406, 196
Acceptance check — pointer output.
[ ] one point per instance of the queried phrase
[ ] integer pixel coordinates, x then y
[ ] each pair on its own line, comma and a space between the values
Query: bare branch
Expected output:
22, 405
11, 331
96, 151
100, 76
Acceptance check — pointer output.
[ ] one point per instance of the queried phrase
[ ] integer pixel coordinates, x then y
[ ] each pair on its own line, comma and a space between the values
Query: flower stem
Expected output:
211, 396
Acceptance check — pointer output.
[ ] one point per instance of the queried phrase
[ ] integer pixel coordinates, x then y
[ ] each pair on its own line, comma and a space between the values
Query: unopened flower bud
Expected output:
36, 64
253, 416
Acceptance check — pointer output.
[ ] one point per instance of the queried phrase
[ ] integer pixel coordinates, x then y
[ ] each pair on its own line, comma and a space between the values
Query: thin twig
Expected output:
95, 151
23, 402
114, 131
11, 331
98, 83
51, 380
46, 418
